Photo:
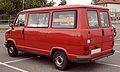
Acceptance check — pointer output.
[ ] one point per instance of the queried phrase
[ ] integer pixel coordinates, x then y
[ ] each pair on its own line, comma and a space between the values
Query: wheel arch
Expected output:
53, 50
11, 40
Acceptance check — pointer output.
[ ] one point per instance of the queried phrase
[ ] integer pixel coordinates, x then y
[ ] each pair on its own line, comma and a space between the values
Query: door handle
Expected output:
23, 31
103, 32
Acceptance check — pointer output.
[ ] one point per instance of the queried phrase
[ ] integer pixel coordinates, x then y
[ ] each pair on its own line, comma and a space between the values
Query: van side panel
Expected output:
36, 40
69, 39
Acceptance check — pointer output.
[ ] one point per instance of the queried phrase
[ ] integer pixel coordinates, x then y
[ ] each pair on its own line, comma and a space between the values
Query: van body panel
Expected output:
18, 36
10, 39
108, 38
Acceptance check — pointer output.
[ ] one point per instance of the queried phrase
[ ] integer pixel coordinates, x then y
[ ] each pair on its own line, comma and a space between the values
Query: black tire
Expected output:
12, 51
60, 60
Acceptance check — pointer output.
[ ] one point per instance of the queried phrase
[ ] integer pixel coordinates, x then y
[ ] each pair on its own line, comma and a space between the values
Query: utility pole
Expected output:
23, 4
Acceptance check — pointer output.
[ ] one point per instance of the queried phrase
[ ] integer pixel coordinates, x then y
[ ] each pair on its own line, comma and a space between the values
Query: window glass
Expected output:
38, 20
93, 19
64, 19
33, 20
104, 19
20, 20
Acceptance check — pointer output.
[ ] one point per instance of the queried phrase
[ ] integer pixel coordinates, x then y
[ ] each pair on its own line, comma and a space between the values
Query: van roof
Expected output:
64, 7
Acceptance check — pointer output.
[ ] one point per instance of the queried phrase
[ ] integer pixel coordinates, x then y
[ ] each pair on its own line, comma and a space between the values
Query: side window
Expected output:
93, 19
38, 20
104, 19
20, 20
64, 19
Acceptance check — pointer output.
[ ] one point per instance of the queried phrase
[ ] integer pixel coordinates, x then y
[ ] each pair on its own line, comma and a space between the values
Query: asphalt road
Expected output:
31, 63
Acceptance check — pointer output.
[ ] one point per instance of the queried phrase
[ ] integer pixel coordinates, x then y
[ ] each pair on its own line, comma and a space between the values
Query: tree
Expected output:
63, 2
51, 3
12, 7
18, 4
38, 3
95, 1
7, 7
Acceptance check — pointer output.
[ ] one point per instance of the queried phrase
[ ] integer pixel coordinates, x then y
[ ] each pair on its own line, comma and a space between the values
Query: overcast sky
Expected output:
71, 2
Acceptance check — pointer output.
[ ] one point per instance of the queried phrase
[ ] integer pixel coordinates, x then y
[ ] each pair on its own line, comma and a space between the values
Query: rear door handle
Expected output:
103, 32
23, 31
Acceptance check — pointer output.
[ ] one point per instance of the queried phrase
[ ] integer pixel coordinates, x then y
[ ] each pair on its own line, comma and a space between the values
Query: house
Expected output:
113, 5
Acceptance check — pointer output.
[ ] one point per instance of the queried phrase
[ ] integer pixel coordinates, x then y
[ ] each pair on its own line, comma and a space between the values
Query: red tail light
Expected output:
86, 51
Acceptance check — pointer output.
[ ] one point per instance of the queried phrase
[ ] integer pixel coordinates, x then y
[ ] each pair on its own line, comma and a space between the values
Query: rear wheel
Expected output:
12, 51
60, 60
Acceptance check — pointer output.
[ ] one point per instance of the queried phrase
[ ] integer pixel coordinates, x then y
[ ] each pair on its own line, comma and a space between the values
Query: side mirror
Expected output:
11, 25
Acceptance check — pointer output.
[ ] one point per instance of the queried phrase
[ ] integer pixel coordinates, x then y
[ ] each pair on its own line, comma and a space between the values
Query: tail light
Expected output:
86, 51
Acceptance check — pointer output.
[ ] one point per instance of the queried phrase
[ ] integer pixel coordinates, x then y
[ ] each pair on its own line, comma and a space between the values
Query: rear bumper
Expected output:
86, 59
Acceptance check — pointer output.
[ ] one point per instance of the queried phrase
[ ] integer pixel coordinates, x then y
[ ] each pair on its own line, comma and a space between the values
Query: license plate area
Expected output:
94, 51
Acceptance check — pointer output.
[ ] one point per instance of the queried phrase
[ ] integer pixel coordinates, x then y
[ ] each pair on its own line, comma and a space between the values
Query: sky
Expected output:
71, 2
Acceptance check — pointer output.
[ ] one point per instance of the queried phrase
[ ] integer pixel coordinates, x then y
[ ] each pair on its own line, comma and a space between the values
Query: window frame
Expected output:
107, 17
17, 19
38, 13
75, 19
97, 19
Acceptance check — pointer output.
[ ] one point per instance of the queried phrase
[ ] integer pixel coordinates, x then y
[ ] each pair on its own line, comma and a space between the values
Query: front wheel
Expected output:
12, 51
60, 60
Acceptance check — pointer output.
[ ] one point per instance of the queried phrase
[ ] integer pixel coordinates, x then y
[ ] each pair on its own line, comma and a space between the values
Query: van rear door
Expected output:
107, 31
95, 33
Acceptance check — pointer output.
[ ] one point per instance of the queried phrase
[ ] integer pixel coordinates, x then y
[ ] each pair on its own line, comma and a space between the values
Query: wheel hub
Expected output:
59, 61
11, 49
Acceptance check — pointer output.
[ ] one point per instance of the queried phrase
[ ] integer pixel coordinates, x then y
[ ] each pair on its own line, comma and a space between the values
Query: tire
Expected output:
12, 51
60, 60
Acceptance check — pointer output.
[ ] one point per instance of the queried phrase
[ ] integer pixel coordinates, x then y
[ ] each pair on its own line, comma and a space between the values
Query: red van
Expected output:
73, 33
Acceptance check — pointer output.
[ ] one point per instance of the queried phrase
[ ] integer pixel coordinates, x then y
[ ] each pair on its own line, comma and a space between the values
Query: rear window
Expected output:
93, 19
104, 19
64, 19
38, 20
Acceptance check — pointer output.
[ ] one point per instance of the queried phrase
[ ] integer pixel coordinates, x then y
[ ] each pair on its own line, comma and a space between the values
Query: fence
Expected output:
6, 21
4, 24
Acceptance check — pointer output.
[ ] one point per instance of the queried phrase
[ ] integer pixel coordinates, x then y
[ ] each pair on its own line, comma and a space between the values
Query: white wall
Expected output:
114, 7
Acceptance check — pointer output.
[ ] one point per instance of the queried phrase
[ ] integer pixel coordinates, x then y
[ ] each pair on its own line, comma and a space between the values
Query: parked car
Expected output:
73, 33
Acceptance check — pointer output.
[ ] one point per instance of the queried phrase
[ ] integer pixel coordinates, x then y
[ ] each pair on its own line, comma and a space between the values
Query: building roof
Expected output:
108, 2
63, 7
